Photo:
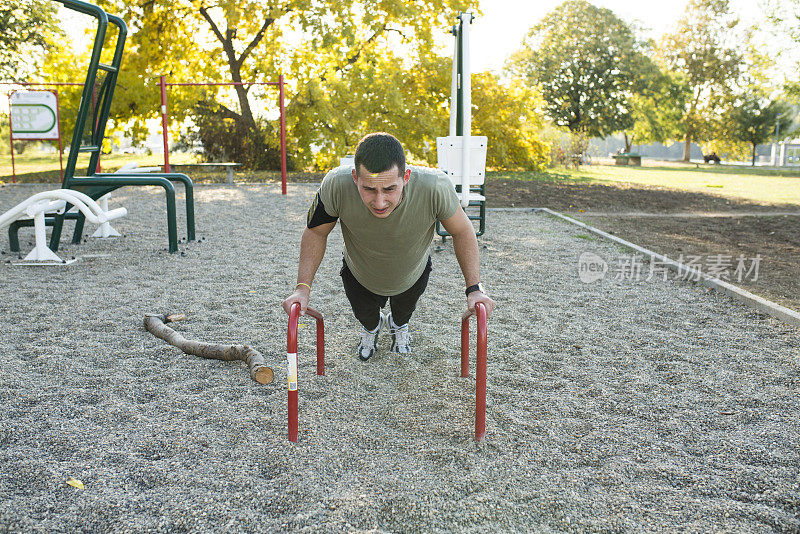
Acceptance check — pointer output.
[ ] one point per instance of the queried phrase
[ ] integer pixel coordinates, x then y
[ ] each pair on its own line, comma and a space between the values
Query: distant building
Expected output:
785, 153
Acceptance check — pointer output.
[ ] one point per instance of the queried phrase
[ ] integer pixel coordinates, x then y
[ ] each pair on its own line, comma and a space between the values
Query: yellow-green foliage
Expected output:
507, 115
351, 68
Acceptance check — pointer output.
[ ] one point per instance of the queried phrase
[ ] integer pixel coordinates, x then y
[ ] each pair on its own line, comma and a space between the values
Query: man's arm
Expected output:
465, 245
312, 250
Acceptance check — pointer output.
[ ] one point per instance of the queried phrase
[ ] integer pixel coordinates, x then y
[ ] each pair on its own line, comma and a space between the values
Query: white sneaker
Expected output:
369, 340
401, 336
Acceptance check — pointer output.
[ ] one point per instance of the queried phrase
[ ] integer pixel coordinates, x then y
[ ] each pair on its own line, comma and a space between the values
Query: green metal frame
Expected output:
96, 184
481, 190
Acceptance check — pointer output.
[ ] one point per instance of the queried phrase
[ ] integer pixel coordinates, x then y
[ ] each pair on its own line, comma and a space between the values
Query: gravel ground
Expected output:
612, 406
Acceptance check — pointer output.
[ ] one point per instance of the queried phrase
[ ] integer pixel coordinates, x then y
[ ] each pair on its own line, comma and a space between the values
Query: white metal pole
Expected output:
466, 91
454, 86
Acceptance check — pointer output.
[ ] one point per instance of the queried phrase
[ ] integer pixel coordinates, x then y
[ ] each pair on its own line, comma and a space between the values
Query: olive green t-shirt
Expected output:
388, 255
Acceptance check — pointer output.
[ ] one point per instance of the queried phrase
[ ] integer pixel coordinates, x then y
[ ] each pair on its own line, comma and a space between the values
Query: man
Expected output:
388, 215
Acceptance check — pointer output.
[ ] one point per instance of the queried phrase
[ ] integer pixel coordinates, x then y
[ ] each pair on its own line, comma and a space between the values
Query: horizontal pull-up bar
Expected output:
42, 84
222, 83
281, 83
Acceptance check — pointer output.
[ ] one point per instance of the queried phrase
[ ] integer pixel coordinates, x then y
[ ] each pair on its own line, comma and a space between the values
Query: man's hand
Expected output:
302, 295
476, 297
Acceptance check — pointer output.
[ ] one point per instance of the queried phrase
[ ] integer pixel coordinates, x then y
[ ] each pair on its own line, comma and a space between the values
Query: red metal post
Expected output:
58, 127
11, 139
465, 347
163, 84
283, 133
480, 375
291, 356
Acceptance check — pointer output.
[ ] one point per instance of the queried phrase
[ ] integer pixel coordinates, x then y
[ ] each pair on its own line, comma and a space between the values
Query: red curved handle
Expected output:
291, 356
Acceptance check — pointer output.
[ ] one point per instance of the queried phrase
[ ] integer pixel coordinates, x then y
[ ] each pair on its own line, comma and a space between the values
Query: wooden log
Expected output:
156, 325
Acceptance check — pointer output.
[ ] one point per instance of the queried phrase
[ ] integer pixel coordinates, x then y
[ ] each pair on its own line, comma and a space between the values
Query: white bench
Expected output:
228, 167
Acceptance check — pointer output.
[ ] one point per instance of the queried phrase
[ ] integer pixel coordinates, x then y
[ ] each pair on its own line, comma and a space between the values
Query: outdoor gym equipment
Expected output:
93, 123
105, 230
156, 325
53, 202
291, 359
480, 371
461, 155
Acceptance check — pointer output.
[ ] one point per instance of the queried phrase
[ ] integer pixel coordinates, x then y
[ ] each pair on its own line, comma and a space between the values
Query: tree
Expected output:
785, 17
506, 114
27, 29
331, 45
351, 69
413, 104
587, 63
752, 119
705, 51
657, 111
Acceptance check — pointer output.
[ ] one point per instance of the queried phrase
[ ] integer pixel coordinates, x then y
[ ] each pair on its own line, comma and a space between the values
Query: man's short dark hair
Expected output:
378, 152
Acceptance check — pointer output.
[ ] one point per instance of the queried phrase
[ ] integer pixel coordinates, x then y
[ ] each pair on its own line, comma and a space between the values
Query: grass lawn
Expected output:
756, 184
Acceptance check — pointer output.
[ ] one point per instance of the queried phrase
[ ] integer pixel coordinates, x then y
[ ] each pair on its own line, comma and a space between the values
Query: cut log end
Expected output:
263, 375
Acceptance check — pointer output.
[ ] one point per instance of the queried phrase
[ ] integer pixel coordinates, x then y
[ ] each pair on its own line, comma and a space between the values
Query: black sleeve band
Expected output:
317, 214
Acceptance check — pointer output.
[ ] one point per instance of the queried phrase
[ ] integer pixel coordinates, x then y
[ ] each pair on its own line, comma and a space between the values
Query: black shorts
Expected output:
366, 304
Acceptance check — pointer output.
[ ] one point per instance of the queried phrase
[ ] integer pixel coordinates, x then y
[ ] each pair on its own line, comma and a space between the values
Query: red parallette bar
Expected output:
465, 347
480, 368
480, 375
291, 356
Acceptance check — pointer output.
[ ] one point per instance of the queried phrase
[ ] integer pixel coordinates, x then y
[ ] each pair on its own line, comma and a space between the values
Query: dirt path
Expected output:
681, 224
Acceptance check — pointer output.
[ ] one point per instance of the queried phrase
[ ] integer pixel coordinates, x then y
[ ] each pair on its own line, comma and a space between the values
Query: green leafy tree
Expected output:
587, 63
27, 29
705, 49
351, 69
322, 47
658, 110
413, 104
752, 119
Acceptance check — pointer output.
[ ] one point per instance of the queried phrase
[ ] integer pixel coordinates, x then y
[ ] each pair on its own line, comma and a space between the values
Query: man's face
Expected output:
381, 192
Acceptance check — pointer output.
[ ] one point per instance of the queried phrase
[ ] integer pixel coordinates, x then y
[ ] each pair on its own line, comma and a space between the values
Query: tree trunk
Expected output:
753, 161
628, 143
687, 147
259, 371
241, 94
